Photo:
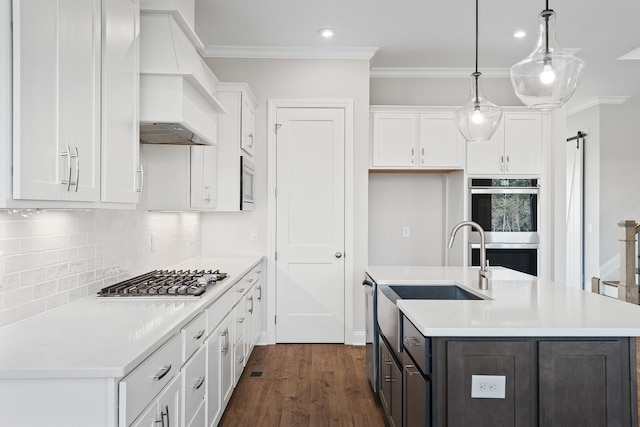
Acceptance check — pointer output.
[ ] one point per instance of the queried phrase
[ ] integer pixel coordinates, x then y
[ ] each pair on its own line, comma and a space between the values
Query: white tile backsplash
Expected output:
57, 257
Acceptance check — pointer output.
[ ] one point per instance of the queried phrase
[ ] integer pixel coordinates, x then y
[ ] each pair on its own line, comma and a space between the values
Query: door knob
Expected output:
338, 254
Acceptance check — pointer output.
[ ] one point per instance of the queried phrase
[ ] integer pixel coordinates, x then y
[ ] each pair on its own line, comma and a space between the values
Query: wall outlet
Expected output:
253, 234
488, 386
154, 242
406, 231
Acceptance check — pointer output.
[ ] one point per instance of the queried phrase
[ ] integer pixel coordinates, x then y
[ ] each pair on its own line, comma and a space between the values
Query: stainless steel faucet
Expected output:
484, 273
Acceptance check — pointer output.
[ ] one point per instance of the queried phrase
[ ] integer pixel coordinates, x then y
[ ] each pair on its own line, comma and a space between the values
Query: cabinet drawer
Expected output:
194, 383
139, 387
193, 336
416, 345
241, 322
219, 309
243, 286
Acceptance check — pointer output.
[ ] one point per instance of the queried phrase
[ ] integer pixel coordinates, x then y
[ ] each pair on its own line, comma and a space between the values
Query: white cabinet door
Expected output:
203, 177
394, 139
121, 174
515, 149
523, 144
56, 69
166, 409
248, 126
441, 144
219, 370
487, 157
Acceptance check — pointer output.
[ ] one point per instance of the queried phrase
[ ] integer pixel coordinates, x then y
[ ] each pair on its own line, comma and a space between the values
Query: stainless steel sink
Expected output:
442, 292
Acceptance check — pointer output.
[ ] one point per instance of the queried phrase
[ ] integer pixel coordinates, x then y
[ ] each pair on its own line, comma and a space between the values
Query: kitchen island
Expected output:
530, 352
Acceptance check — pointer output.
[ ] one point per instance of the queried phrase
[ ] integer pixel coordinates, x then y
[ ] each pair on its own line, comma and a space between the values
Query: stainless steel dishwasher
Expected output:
371, 334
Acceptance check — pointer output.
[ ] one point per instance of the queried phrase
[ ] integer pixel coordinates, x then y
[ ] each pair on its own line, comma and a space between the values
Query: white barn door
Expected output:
310, 224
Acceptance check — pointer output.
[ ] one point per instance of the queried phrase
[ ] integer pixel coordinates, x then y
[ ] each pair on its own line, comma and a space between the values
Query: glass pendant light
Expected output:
546, 79
478, 118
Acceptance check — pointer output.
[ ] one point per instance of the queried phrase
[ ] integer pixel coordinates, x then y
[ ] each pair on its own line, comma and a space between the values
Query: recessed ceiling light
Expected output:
327, 33
519, 34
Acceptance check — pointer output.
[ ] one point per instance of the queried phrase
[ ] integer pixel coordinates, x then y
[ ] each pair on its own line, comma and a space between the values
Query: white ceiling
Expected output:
430, 35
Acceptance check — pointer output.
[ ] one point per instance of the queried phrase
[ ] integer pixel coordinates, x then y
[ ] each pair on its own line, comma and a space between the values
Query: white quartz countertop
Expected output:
106, 337
516, 305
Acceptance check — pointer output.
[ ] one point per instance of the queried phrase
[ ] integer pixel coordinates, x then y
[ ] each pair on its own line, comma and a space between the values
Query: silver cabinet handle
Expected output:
198, 334
507, 163
141, 172
67, 181
198, 383
163, 373
338, 254
502, 163
165, 413
77, 156
411, 370
225, 334
259, 293
250, 280
411, 342
251, 309
241, 320
412, 155
422, 155
251, 136
241, 290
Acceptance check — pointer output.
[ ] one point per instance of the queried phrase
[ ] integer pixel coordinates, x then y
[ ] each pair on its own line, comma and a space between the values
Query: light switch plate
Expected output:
488, 386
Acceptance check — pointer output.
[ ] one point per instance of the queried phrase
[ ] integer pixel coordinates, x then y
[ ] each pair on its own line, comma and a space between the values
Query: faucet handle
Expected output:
486, 273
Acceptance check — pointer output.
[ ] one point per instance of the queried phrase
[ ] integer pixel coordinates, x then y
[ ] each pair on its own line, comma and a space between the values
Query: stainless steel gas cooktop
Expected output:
167, 283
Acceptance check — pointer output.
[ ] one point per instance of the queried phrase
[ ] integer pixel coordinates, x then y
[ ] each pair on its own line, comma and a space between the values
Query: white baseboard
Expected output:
359, 338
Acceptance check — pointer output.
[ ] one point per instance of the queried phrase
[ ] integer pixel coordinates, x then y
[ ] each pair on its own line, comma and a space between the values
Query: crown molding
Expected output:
434, 73
261, 52
597, 100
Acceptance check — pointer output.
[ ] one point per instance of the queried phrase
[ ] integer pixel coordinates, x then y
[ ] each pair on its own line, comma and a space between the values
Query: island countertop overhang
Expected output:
516, 304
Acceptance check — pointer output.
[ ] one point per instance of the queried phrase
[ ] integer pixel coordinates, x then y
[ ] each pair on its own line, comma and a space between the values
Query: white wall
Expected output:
228, 233
414, 200
57, 257
612, 156
438, 92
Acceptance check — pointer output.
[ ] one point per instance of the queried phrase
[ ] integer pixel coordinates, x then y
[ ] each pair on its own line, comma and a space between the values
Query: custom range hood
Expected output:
177, 89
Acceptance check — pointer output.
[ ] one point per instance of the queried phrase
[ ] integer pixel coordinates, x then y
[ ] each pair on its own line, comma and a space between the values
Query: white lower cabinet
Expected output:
165, 411
193, 385
219, 370
200, 419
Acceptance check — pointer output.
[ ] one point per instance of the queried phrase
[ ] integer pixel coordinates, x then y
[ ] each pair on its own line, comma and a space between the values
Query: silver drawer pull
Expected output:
411, 342
411, 370
198, 383
250, 280
163, 372
241, 290
387, 379
241, 320
199, 334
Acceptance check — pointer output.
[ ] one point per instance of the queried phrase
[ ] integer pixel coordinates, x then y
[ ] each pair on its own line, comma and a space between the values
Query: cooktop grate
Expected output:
165, 283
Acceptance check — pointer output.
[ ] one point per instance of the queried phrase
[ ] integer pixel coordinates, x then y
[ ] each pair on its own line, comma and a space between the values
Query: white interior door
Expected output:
310, 276
574, 214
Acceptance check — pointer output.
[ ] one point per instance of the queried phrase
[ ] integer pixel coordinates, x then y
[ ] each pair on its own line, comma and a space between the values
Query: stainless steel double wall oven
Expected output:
508, 211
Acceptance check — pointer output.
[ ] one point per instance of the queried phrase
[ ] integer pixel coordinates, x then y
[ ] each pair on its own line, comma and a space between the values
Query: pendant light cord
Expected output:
476, 37
476, 74
546, 26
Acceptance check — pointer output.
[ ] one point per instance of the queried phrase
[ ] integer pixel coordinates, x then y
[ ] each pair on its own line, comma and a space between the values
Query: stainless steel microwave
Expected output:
247, 184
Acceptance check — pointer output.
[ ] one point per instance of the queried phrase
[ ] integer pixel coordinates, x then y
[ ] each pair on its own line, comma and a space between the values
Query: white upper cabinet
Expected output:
515, 148
395, 138
179, 177
203, 177
441, 144
410, 138
56, 102
75, 86
236, 131
121, 172
248, 120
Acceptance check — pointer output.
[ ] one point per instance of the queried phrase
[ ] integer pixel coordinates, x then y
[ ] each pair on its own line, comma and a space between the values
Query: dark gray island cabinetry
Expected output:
548, 381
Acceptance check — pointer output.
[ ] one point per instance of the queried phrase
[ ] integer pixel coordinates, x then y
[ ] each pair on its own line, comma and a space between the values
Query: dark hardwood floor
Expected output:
304, 385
